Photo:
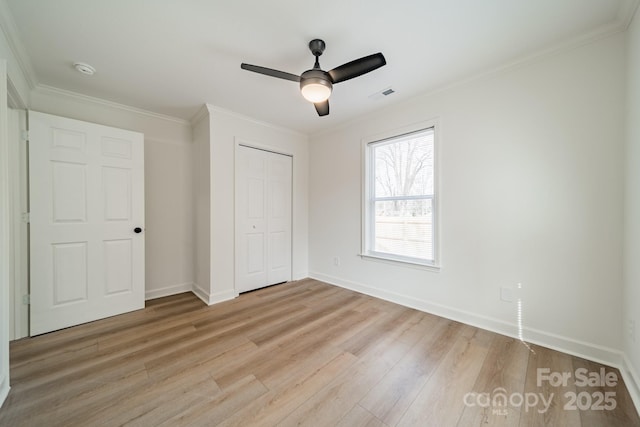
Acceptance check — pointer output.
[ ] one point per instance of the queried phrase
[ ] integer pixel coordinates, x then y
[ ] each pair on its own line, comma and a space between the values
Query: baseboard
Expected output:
169, 290
631, 380
215, 297
200, 293
593, 352
4, 391
299, 275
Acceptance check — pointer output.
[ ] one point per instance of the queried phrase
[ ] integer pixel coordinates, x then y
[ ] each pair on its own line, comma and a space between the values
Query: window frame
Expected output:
368, 199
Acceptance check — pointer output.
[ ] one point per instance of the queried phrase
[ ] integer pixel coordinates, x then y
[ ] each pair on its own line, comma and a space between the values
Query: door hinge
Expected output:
26, 217
24, 136
26, 299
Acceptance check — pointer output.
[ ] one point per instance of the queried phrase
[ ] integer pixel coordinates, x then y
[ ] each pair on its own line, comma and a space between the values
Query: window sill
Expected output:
400, 262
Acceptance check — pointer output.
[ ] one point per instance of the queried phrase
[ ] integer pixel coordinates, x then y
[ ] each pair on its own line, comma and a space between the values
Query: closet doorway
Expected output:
263, 218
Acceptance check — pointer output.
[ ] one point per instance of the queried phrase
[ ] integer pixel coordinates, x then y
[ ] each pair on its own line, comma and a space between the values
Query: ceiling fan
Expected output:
316, 84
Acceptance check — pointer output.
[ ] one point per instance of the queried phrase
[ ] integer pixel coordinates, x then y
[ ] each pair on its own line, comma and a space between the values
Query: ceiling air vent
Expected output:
383, 93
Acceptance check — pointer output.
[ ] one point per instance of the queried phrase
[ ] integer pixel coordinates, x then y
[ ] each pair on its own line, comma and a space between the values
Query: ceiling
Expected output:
172, 56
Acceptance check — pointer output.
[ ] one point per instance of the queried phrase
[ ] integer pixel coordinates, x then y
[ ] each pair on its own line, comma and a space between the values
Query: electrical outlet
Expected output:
336, 261
506, 294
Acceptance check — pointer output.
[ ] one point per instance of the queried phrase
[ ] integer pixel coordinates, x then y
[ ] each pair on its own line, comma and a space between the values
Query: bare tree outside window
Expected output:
402, 200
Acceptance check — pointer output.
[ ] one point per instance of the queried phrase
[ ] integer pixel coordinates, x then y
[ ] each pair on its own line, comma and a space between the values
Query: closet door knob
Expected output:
137, 230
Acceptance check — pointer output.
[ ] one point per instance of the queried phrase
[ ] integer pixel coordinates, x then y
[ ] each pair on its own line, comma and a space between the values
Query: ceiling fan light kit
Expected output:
316, 84
315, 88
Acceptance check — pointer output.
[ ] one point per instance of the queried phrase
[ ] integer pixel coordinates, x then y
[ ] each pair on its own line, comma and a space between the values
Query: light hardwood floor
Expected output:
302, 353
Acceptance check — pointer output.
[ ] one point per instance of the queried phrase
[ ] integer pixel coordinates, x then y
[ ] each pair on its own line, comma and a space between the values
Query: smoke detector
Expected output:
84, 68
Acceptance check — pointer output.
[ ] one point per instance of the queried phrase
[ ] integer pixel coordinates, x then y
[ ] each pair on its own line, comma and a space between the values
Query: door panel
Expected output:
263, 218
117, 193
69, 264
69, 192
118, 268
255, 254
115, 147
86, 197
279, 250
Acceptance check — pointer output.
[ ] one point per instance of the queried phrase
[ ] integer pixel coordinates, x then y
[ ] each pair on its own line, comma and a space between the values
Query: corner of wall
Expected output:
631, 380
201, 293
213, 298
201, 114
631, 245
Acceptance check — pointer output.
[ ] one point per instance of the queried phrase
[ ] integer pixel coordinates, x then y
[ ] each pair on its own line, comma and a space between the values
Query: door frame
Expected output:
18, 192
5, 237
241, 142
9, 185
19, 182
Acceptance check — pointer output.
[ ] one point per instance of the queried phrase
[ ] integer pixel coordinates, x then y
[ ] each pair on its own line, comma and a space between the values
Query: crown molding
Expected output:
626, 12
12, 35
50, 90
201, 114
214, 110
14, 98
613, 28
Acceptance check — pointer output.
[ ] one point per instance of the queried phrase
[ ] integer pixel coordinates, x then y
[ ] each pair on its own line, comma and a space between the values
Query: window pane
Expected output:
405, 228
404, 167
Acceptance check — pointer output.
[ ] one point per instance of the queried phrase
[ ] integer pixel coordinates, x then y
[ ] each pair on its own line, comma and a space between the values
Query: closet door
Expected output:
263, 218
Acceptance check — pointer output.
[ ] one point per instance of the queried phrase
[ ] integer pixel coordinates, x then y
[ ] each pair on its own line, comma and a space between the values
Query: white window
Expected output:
400, 199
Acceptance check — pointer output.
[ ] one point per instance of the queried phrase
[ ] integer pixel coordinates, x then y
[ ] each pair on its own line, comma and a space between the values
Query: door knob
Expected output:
137, 230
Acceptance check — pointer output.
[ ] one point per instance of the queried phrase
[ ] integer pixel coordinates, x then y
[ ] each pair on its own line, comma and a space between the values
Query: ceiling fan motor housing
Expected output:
315, 76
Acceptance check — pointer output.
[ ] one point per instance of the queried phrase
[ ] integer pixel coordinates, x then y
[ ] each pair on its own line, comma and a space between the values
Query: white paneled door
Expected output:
86, 184
263, 218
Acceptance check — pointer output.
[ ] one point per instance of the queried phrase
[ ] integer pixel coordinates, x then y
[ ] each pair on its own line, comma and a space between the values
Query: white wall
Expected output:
202, 196
169, 217
225, 129
631, 290
169, 205
531, 192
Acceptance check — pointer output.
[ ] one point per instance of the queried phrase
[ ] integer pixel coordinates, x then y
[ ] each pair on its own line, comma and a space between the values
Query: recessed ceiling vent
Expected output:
382, 94
84, 68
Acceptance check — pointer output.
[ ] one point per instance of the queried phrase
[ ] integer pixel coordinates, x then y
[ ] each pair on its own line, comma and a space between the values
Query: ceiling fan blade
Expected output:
322, 108
270, 72
357, 68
